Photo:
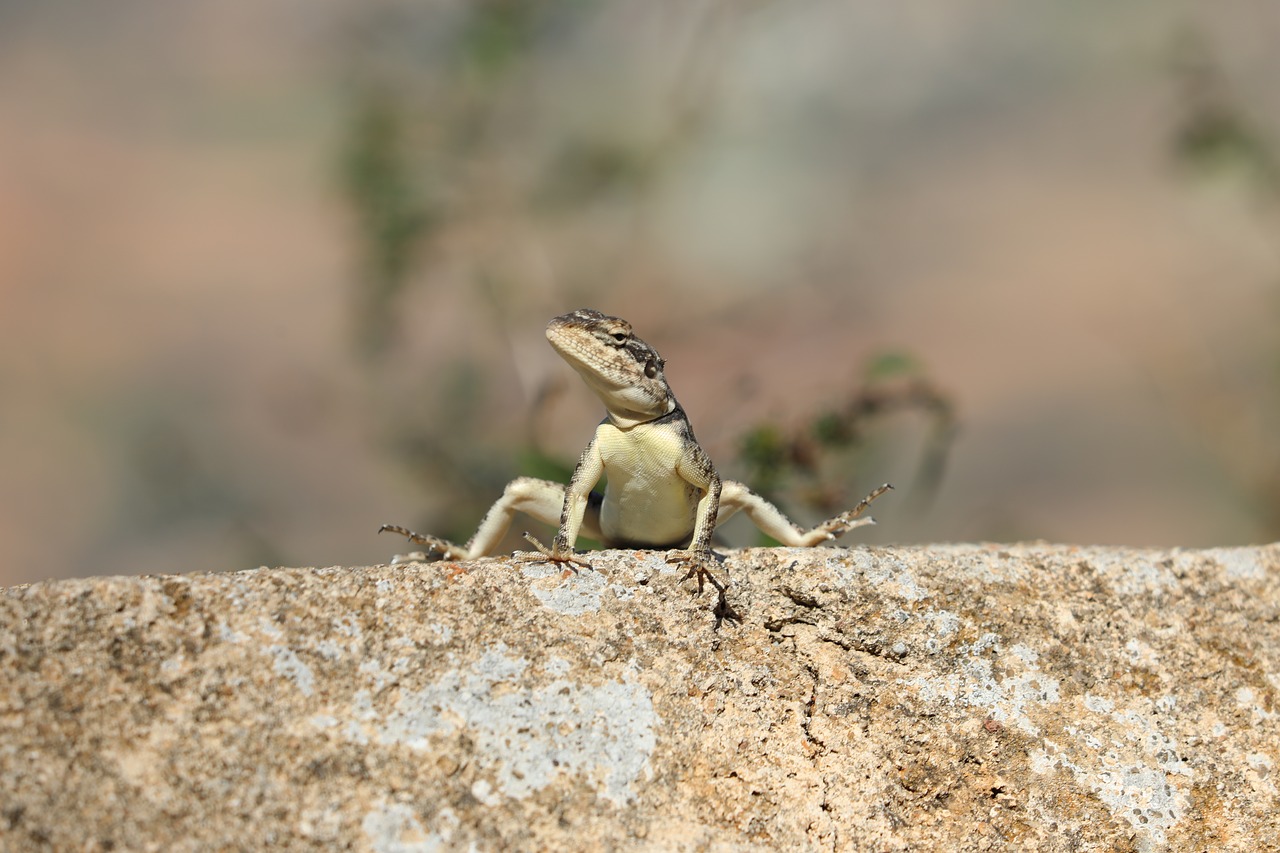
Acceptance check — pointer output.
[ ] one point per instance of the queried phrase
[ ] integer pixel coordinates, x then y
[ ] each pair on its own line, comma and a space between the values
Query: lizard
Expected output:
662, 491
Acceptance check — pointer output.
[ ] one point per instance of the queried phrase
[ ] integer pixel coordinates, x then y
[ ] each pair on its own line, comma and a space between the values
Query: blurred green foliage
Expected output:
1215, 135
438, 92
1215, 138
810, 465
390, 210
433, 91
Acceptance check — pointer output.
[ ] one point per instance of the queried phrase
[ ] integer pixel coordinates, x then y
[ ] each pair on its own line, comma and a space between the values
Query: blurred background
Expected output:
273, 273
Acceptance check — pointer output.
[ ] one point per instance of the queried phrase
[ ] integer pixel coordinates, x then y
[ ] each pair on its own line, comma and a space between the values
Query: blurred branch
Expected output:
894, 383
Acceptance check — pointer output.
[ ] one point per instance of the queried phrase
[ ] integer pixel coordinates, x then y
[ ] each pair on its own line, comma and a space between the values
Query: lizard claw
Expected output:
555, 554
700, 563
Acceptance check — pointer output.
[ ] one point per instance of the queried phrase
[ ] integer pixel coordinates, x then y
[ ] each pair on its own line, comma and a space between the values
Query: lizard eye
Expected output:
619, 336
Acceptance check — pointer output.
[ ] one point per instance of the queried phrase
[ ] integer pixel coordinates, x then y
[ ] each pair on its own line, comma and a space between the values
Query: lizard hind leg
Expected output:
770, 520
538, 499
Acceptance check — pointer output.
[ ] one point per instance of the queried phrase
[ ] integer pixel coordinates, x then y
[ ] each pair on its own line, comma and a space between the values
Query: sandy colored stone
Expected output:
961, 697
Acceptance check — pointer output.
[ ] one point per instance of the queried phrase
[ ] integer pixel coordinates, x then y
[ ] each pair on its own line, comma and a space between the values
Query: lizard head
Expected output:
623, 371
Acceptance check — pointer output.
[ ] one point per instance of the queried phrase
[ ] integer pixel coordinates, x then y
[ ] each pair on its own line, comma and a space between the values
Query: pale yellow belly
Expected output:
645, 502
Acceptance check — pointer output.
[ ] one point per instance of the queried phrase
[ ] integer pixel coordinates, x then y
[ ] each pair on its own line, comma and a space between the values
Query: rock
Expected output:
930, 698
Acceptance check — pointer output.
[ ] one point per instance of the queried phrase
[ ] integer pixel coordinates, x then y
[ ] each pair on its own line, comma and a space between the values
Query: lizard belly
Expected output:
646, 503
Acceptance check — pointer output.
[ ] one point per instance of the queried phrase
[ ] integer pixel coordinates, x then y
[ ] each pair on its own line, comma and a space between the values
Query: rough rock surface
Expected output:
933, 698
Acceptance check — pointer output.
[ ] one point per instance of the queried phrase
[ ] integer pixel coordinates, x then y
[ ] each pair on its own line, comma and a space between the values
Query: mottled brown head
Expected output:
623, 371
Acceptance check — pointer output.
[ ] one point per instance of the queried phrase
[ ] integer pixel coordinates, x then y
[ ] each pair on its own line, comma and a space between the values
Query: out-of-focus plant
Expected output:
424, 143
422, 169
432, 165
1217, 137
452, 172
391, 213
804, 464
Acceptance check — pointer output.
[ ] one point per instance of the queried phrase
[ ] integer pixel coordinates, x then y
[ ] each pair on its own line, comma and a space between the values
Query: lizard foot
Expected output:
441, 548
700, 564
846, 521
555, 553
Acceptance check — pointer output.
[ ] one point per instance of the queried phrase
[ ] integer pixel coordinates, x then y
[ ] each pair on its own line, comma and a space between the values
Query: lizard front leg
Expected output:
573, 510
696, 469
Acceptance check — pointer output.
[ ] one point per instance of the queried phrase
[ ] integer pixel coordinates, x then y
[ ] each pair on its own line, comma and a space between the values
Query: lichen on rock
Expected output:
961, 697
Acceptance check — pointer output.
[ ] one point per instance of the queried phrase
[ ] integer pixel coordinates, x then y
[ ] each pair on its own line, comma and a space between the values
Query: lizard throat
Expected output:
624, 418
